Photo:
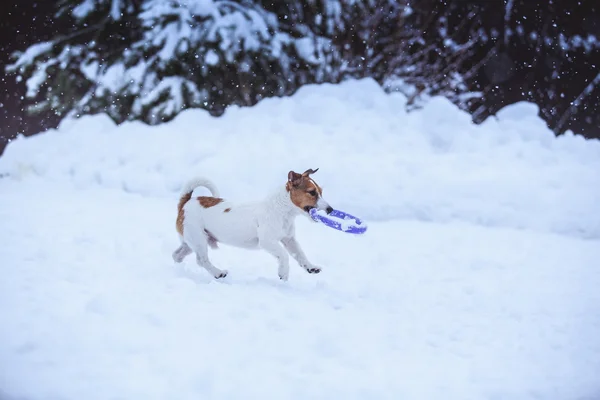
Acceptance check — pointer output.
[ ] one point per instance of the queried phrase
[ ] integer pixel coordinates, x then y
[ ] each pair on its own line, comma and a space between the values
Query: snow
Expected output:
477, 277
28, 56
38, 78
211, 57
115, 9
333, 15
173, 87
113, 78
306, 49
84, 9
228, 24
168, 38
201, 7
380, 163
507, 17
90, 69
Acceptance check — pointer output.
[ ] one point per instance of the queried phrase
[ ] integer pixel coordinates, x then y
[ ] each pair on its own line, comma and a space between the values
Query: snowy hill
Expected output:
477, 279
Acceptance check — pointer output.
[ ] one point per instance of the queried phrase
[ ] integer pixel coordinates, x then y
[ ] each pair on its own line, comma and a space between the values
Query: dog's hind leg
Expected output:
182, 252
198, 242
211, 240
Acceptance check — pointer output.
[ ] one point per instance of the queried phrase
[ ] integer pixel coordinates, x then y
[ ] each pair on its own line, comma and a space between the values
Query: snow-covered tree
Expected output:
486, 55
416, 52
546, 52
404, 45
149, 59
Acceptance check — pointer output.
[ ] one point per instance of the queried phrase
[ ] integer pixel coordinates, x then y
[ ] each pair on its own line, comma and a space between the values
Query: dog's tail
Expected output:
186, 195
189, 187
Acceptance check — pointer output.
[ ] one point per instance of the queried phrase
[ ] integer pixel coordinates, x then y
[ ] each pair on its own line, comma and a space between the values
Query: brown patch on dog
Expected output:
319, 190
304, 191
207, 202
180, 215
227, 210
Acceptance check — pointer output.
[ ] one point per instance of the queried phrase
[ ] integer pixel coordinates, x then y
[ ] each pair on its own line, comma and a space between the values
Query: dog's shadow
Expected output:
197, 276
201, 277
334, 297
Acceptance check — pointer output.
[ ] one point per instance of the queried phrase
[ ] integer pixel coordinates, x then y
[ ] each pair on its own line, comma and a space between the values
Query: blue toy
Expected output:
339, 220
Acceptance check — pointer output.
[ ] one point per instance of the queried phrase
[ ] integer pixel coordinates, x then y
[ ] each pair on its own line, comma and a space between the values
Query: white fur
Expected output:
200, 182
267, 225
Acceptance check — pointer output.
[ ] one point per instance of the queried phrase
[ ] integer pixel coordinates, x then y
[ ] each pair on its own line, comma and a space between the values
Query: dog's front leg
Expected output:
275, 249
293, 247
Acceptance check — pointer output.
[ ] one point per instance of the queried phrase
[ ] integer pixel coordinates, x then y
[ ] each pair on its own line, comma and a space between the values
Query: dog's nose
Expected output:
329, 209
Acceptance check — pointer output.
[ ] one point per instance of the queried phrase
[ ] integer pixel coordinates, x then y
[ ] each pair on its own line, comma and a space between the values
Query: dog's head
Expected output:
305, 193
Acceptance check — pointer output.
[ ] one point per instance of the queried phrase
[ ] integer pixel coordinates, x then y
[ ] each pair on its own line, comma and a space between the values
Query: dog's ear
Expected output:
294, 178
309, 172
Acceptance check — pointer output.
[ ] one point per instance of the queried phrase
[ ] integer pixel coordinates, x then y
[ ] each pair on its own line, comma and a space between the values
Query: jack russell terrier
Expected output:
268, 224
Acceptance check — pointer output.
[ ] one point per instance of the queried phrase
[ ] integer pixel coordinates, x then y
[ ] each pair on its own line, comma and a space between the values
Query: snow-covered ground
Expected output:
477, 279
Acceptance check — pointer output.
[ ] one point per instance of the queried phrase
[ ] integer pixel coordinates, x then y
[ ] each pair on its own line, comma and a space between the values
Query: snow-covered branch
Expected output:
507, 14
149, 59
594, 85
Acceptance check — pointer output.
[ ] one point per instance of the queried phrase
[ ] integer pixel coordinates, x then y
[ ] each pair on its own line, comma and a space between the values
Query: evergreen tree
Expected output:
486, 55
546, 52
149, 59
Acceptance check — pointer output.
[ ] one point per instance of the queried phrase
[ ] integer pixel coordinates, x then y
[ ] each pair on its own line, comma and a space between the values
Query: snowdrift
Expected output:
376, 161
93, 307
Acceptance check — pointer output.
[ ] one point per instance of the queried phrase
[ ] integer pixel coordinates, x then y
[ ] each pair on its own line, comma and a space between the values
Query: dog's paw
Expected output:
223, 274
313, 269
178, 258
283, 272
284, 277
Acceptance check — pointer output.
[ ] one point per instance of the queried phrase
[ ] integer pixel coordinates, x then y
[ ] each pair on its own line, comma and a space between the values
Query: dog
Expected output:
206, 221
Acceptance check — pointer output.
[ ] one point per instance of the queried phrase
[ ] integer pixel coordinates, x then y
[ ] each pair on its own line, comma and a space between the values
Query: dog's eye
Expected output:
313, 193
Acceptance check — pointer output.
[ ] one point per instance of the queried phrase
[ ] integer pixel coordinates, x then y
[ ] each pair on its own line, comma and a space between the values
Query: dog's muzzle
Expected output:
328, 210
323, 205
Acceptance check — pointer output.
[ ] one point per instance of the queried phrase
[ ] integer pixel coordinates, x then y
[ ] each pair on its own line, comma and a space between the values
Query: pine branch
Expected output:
507, 15
91, 28
589, 89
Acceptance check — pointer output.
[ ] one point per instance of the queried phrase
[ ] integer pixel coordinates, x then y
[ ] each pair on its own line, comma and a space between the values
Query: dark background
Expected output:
21, 24
506, 71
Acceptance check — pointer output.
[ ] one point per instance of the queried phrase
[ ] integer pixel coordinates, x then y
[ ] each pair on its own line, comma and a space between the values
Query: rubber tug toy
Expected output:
339, 220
